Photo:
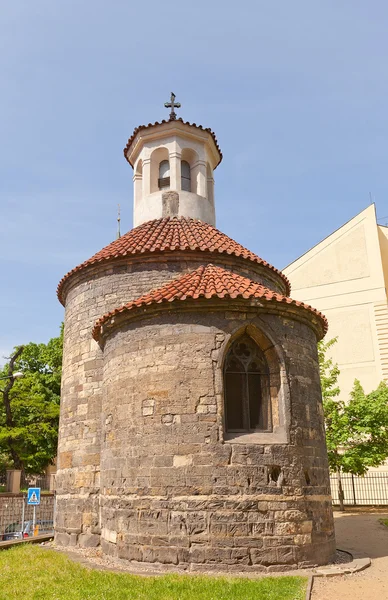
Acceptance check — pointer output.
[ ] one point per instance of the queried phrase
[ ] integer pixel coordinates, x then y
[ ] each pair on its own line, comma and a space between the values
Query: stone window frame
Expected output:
279, 387
245, 365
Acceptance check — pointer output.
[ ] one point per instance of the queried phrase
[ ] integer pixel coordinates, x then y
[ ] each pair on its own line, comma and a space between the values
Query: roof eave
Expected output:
66, 279
114, 320
133, 146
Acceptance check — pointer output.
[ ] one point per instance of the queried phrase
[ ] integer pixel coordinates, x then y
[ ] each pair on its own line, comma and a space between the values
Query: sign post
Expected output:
33, 499
23, 513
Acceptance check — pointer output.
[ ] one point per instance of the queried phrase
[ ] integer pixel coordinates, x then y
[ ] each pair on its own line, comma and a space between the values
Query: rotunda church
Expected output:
191, 429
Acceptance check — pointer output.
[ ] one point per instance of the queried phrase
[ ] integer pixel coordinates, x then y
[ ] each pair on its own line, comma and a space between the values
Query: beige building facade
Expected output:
345, 276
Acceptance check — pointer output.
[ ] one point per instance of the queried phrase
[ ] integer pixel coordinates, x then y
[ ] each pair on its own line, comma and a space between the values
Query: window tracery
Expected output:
247, 388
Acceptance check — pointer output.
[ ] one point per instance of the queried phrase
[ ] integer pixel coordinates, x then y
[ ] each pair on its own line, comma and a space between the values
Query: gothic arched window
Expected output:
185, 176
246, 388
164, 174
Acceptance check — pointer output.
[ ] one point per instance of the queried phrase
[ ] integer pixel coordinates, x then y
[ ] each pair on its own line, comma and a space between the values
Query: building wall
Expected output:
90, 294
173, 490
344, 276
381, 309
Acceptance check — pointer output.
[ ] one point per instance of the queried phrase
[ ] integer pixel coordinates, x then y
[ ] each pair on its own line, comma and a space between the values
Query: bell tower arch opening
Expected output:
189, 170
160, 170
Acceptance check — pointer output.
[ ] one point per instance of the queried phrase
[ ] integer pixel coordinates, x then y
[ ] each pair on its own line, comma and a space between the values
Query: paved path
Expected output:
362, 533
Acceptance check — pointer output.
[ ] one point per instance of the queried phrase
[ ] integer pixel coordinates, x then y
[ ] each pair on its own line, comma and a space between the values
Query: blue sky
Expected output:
295, 91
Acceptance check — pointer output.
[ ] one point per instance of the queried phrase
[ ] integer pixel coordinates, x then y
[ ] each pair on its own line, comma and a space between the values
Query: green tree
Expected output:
29, 412
357, 430
329, 371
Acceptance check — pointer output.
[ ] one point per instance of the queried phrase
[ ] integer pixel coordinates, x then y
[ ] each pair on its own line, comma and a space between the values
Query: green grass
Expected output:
34, 573
384, 522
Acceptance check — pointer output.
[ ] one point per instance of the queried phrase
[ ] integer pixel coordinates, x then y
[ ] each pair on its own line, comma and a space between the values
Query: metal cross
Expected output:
172, 104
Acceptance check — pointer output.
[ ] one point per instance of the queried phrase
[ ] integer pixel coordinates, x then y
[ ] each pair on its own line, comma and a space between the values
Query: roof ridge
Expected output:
206, 281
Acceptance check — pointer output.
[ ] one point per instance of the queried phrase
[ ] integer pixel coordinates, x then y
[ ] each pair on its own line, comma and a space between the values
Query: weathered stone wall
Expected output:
89, 295
176, 262
173, 491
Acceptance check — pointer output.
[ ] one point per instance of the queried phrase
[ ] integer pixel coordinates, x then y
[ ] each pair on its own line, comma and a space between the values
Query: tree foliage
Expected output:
29, 413
357, 430
329, 371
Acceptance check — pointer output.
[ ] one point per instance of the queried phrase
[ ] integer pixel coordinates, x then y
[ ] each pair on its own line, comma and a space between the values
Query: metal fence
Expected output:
371, 489
42, 481
18, 517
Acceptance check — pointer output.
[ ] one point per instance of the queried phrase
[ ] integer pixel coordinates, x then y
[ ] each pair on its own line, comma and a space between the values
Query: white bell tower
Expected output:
173, 164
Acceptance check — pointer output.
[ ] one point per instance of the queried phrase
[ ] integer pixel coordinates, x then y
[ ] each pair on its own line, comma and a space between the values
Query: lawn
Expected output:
29, 571
384, 522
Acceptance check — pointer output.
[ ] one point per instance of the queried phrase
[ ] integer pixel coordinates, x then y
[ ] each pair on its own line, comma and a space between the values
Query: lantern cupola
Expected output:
173, 163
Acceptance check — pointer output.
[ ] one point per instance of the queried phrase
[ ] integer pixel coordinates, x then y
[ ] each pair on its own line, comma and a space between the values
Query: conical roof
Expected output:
207, 282
169, 234
172, 122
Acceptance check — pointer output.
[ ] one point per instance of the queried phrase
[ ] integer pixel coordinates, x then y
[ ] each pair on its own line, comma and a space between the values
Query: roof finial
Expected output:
118, 223
172, 104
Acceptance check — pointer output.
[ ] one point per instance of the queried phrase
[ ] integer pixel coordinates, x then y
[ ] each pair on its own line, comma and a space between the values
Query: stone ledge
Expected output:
359, 563
32, 540
94, 558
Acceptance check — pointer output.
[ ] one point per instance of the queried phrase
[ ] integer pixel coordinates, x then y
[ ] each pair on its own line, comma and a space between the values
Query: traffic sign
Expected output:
33, 496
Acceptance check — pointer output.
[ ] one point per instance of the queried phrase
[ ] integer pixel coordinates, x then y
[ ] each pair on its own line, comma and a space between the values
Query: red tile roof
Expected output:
169, 234
142, 127
207, 282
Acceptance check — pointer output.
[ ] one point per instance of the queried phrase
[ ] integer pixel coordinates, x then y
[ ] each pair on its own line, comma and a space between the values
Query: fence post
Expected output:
354, 491
34, 520
341, 495
13, 481
23, 514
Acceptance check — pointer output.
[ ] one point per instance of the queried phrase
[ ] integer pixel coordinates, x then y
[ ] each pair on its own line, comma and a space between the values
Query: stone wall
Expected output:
89, 294
174, 492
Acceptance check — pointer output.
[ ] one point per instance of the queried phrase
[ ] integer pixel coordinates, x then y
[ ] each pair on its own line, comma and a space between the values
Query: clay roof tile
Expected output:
208, 282
169, 234
194, 125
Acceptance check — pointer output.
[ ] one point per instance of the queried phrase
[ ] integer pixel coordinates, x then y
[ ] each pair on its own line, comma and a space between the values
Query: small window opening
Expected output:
276, 476
164, 175
185, 176
247, 388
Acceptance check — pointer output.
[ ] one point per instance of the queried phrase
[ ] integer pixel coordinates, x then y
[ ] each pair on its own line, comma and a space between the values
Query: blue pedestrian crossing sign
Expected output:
33, 496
